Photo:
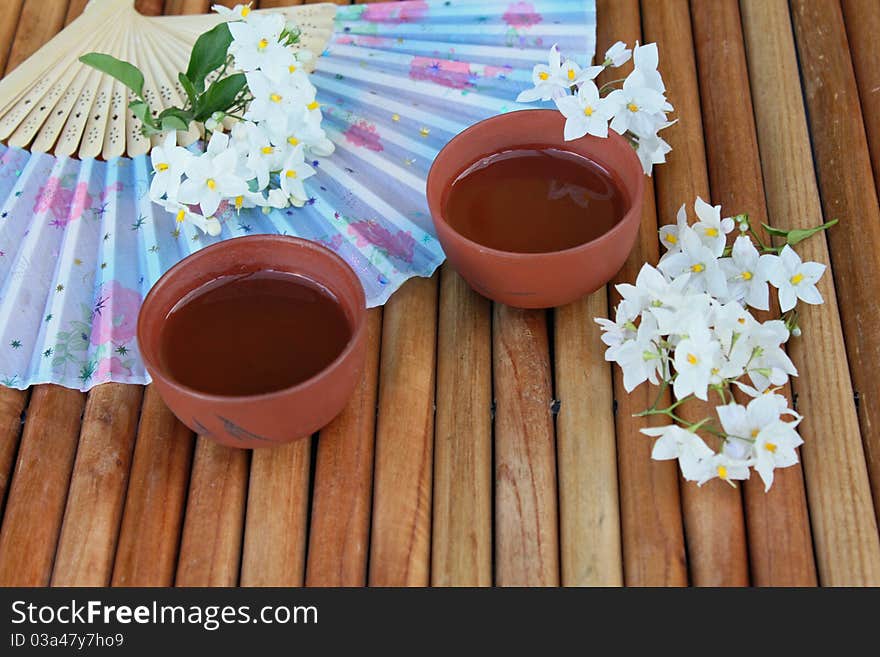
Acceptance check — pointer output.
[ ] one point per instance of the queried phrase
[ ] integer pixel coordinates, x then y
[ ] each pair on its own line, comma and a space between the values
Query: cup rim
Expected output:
359, 320
608, 235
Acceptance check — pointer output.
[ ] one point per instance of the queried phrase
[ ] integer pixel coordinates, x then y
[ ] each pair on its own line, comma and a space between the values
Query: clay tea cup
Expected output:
265, 418
542, 279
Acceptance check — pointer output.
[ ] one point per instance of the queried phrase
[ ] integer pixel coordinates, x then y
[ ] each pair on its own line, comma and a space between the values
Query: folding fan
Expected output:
80, 241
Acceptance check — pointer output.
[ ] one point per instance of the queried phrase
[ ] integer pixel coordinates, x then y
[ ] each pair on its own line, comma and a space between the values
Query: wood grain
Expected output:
39, 486
589, 511
12, 403
187, 6
650, 509
98, 485
526, 523
150, 534
843, 165
401, 532
838, 491
38, 22
8, 25
862, 19
210, 547
274, 549
462, 530
780, 544
713, 514
339, 533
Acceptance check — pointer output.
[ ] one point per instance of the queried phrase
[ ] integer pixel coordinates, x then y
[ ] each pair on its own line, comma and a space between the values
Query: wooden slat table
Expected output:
487, 445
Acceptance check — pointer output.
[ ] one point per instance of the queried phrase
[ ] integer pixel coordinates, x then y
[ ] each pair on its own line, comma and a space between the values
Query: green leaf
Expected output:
208, 54
174, 118
142, 111
127, 74
188, 88
799, 235
779, 232
220, 96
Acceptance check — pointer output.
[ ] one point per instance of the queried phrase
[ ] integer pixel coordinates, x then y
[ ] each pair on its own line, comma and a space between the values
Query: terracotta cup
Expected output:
536, 280
274, 417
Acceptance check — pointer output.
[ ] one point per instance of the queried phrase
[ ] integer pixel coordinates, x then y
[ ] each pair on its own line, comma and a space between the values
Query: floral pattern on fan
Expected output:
396, 82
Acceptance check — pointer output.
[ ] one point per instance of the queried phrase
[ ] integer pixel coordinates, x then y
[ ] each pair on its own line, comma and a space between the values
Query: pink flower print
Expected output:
363, 133
111, 367
396, 12
398, 245
46, 195
521, 15
111, 189
64, 204
334, 243
81, 201
496, 71
457, 75
115, 314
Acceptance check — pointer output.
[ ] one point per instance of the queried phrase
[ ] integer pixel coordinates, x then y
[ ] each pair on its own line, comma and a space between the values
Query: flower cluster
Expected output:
636, 110
247, 88
686, 324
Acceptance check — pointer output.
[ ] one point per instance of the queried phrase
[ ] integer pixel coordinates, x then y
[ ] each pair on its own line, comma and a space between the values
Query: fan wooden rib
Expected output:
54, 103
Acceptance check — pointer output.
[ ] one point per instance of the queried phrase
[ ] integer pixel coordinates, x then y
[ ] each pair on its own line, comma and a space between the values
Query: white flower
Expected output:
766, 361
296, 130
775, 447
255, 42
646, 58
640, 359
723, 467
747, 273
292, 175
652, 290
238, 12
168, 160
699, 261
586, 113
669, 233
711, 228
652, 150
743, 424
617, 332
617, 55
696, 357
182, 213
673, 442
262, 157
211, 176
547, 80
795, 279
688, 313
638, 107
274, 100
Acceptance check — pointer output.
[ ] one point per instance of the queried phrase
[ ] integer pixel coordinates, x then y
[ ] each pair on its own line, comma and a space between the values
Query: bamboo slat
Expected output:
150, 534
844, 172
277, 507
210, 547
339, 533
38, 492
713, 515
8, 25
462, 529
401, 531
12, 403
589, 512
38, 22
87, 544
650, 510
780, 544
526, 524
843, 522
862, 18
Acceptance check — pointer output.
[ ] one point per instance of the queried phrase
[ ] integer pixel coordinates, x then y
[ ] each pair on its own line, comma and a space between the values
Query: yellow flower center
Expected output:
239, 201
755, 433
741, 320
797, 278
693, 360
588, 111
313, 105
746, 275
722, 471
697, 268
672, 239
571, 74
211, 183
291, 68
290, 173
275, 98
543, 75
181, 215
263, 44
293, 141
267, 150
245, 11
161, 167
711, 232
770, 447
632, 107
